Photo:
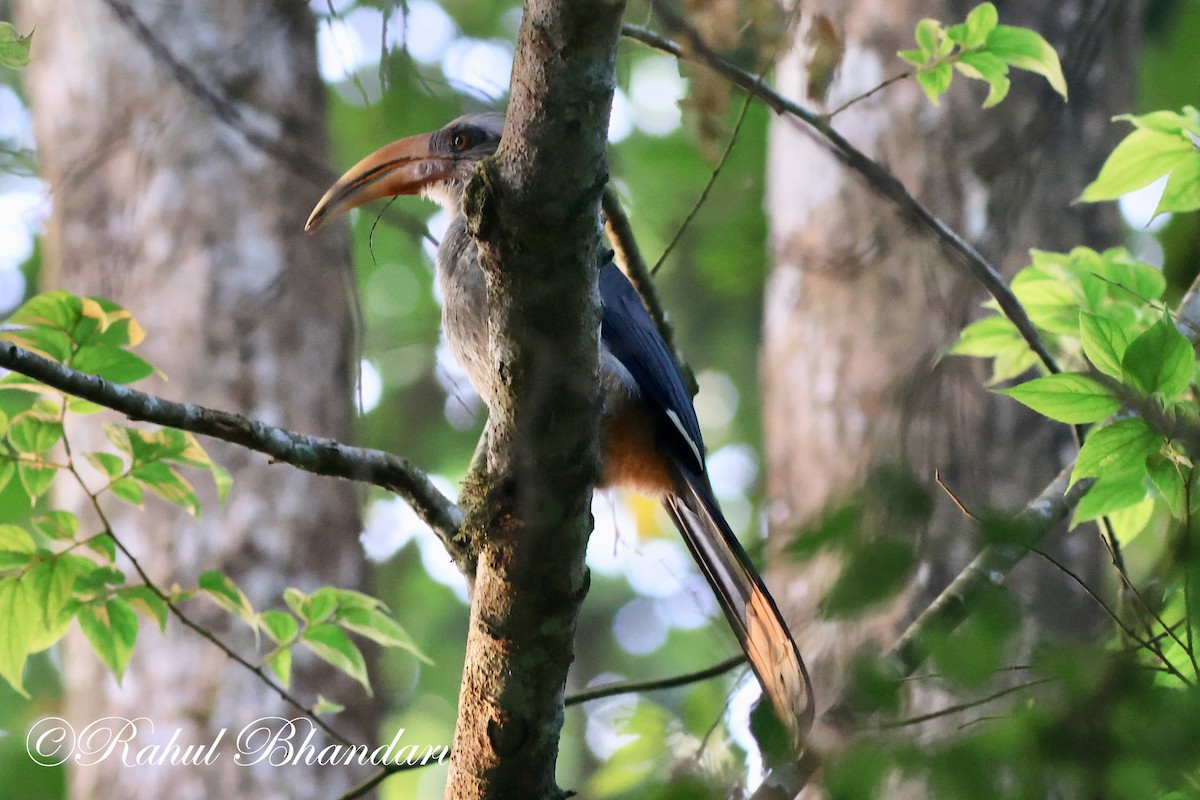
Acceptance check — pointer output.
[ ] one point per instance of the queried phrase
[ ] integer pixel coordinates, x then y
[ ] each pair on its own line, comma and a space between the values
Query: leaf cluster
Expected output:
981, 49
57, 569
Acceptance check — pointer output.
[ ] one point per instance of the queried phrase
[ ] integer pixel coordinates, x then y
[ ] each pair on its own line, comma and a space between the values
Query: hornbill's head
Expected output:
435, 165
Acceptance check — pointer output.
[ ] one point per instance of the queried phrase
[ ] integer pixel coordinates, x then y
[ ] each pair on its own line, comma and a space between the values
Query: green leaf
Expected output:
1183, 187
1067, 397
279, 661
1122, 446
331, 644
1026, 49
51, 343
1111, 492
51, 584
36, 479
20, 613
168, 484
111, 363
1012, 363
1104, 342
978, 25
914, 57
326, 706
103, 545
279, 625
935, 81
927, 34
57, 309
142, 598
379, 628
222, 590
319, 605
1141, 158
109, 464
985, 66
129, 490
1167, 477
295, 600
112, 629
32, 434
987, 337
1136, 279
16, 540
61, 525
14, 48
1160, 360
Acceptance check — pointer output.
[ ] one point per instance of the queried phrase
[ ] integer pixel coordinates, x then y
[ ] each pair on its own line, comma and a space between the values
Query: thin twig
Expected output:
632, 687
894, 79
967, 706
703, 196
937, 478
310, 453
1171, 668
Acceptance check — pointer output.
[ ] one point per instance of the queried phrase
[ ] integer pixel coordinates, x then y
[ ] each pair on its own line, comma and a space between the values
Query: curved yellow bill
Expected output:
403, 167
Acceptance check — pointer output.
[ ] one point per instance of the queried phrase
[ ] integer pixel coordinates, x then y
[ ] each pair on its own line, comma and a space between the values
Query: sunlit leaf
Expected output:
935, 81
1141, 158
1182, 192
1168, 478
1067, 397
279, 625
1111, 492
51, 583
331, 644
1120, 447
14, 48
144, 599
111, 363
326, 706
30, 433
35, 479
1104, 342
1028, 50
19, 610
379, 628
111, 627
222, 590
1160, 360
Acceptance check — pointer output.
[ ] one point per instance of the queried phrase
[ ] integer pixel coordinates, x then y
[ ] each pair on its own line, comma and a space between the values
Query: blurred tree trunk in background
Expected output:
167, 210
858, 304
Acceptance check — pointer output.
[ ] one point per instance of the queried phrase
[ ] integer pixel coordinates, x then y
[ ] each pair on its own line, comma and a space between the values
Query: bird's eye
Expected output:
460, 141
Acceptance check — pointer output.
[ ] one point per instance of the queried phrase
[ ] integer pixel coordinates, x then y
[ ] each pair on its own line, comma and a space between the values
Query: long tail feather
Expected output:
748, 606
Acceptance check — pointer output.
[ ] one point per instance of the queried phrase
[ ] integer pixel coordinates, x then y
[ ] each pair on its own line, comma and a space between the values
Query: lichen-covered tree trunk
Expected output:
859, 304
164, 208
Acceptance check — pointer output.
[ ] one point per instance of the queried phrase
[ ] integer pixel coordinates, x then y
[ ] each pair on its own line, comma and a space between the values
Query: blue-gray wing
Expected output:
628, 332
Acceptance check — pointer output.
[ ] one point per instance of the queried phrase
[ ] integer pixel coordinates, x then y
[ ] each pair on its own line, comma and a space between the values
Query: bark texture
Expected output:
534, 209
165, 209
858, 305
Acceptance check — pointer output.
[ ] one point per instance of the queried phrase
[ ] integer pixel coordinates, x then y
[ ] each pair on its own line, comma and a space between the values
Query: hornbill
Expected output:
650, 438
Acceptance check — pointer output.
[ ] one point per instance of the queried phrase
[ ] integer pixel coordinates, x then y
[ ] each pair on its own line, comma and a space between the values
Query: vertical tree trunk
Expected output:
164, 208
858, 304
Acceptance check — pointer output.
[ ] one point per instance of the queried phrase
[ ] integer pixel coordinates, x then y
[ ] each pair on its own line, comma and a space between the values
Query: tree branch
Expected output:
632, 687
314, 454
533, 210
